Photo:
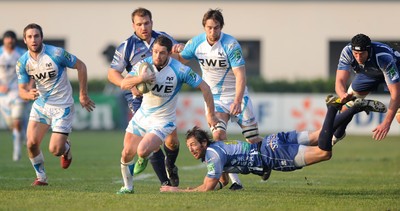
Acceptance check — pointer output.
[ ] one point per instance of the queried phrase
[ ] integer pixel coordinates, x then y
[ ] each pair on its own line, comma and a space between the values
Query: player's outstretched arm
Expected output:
84, 98
382, 129
209, 184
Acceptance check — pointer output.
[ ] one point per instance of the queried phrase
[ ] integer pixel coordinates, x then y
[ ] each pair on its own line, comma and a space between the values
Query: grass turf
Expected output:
362, 175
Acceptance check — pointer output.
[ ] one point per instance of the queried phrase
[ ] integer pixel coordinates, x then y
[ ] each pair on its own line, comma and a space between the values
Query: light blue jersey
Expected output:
50, 75
130, 52
216, 63
158, 109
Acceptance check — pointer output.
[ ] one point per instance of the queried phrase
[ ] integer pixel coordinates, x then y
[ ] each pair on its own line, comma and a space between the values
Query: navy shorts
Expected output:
279, 150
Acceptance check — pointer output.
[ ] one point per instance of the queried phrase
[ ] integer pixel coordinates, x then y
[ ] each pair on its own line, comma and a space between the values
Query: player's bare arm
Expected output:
26, 93
129, 82
84, 98
342, 76
208, 98
382, 129
114, 76
240, 75
209, 184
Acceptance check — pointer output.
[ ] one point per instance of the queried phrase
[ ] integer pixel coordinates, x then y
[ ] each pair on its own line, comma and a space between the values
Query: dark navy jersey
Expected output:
383, 62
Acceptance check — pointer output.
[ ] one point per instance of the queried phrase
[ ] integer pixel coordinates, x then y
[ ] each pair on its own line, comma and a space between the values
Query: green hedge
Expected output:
255, 84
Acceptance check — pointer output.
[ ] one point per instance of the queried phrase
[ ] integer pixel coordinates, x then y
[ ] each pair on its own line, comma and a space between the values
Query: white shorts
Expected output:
60, 119
246, 118
140, 125
11, 107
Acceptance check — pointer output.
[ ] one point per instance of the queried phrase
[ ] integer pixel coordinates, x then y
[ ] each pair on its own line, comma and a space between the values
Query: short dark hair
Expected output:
360, 42
33, 26
164, 41
11, 34
200, 135
216, 15
141, 12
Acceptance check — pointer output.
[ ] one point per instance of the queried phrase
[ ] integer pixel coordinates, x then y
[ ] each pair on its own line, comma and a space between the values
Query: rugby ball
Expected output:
143, 88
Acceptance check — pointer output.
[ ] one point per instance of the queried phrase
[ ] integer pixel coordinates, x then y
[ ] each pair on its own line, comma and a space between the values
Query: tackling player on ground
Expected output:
284, 151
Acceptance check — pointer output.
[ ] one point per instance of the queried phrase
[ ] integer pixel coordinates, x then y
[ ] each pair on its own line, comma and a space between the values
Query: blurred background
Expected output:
291, 50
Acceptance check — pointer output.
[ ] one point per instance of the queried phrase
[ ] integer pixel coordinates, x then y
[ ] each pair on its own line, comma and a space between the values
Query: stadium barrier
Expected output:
274, 112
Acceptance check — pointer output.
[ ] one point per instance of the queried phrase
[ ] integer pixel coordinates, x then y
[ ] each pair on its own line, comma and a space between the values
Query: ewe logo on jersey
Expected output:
166, 88
213, 63
39, 76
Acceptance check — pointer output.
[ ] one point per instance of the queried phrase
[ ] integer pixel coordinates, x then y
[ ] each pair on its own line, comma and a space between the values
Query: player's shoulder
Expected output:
23, 60
52, 50
227, 39
382, 48
200, 38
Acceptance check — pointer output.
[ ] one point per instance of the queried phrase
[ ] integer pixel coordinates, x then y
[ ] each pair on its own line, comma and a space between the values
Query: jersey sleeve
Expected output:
387, 63
234, 53
214, 164
118, 63
22, 75
346, 57
188, 52
190, 77
64, 58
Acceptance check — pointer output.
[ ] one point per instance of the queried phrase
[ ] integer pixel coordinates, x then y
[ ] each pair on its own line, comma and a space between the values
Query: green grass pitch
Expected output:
362, 175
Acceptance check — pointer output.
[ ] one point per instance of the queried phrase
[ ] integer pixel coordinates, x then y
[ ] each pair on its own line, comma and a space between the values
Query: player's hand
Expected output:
166, 188
148, 77
346, 97
87, 103
381, 131
33, 94
177, 48
3, 89
212, 120
236, 108
136, 92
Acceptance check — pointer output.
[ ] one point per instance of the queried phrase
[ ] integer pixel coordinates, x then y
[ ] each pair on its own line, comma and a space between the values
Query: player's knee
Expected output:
32, 146
56, 150
172, 146
325, 155
251, 133
219, 131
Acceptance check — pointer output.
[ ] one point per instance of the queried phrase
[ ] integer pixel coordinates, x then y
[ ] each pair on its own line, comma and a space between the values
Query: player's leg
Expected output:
158, 159
61, 124
131, 143
150, 143
171, 148
314, 154
17, 110
35, 134
398, 115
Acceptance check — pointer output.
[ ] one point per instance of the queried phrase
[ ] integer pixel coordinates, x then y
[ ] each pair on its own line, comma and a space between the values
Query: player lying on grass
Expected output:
284, 151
